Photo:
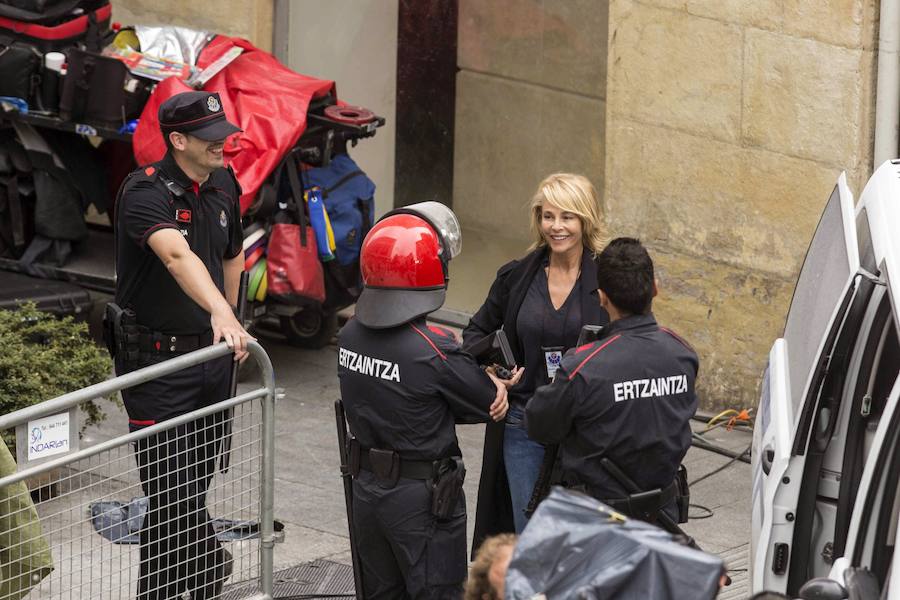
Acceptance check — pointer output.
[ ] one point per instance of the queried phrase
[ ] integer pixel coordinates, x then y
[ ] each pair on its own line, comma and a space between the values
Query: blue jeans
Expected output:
523, 458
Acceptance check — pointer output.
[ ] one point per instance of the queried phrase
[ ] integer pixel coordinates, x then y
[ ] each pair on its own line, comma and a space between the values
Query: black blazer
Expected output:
501, 309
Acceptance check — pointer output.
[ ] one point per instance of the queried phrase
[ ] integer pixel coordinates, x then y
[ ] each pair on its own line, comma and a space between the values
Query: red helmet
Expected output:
404, 264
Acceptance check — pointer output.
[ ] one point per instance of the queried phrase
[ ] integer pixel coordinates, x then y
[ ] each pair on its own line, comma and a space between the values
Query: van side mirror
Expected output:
822, 588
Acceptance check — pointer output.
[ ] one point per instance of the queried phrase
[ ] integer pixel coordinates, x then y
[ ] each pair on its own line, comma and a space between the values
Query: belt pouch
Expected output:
386, 466
448, 484
645, 505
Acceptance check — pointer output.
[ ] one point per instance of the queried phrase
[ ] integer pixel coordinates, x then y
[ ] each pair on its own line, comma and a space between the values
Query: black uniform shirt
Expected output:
209, 217
403, 388
629, 397
541, 326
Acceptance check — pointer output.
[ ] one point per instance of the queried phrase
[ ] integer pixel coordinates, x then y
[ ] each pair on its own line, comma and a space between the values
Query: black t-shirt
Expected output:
541, 328
209, 217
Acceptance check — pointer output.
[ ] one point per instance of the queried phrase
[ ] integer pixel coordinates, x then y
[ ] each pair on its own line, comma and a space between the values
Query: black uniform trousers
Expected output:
178, 548
405, 551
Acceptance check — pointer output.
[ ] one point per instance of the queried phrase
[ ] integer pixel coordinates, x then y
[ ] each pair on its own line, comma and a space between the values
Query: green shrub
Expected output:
43, 357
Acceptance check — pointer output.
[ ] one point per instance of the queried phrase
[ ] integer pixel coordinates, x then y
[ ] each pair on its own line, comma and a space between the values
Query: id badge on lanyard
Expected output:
552, 359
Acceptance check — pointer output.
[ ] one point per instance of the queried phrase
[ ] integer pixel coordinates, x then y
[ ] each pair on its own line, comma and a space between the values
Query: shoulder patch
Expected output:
429, 340
592, 355
443, 332
680, 339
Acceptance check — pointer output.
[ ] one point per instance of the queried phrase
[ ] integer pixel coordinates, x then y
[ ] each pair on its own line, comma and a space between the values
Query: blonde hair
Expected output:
478, 586
574, 194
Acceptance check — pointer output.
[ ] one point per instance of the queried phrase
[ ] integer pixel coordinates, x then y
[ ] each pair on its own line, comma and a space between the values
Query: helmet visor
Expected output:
443, 220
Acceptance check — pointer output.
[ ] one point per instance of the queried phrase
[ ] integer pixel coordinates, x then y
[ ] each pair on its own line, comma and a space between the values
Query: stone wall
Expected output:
250, 19
530, 100
727, 125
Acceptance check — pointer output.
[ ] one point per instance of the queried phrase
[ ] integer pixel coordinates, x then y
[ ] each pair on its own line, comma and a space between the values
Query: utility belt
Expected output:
132, 343
446, 475
646, 506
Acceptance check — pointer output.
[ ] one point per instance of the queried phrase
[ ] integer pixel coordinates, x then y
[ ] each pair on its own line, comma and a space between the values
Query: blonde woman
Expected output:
541, 301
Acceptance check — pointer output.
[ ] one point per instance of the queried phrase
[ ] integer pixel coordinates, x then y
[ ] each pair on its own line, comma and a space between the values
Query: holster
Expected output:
645, 506
121, 335
683, 495
450, 474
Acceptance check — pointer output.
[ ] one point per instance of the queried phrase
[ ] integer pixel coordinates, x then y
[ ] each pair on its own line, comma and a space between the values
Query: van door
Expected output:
797, 365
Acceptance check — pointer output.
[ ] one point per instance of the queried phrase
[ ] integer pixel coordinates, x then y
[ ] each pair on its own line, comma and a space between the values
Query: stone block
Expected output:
250, 20
557, 44
765, 14
675, 69
509, 136
805, 98
849, 23
743, 206
731, 316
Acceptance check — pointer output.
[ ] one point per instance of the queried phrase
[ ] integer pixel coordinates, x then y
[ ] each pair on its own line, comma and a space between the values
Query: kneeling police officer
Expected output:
620, 407
178, 263
404, 386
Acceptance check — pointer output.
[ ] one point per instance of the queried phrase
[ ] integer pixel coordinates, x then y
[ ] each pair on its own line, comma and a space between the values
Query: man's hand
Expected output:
226, 327
501, 402
516, 376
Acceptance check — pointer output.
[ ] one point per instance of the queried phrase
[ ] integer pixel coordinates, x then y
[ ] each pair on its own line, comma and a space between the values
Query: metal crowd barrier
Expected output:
86, 541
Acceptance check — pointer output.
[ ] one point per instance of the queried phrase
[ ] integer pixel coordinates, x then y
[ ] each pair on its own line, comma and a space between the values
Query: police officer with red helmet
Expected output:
405, 384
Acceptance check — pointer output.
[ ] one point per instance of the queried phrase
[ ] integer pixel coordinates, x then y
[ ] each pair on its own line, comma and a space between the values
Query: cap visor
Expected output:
380, 308
218, 129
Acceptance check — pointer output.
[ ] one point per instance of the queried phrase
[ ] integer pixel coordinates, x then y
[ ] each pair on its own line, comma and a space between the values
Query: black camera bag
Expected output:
19, 65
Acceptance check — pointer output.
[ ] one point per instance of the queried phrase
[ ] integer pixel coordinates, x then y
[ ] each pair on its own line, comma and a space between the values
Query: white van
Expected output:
826, 450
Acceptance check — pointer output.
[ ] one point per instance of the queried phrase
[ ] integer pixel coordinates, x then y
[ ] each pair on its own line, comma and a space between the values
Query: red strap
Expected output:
69, 29
142, 423
591, 355
427, 339
677, 337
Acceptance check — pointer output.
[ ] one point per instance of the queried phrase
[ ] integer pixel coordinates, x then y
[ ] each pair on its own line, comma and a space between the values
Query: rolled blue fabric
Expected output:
319, 222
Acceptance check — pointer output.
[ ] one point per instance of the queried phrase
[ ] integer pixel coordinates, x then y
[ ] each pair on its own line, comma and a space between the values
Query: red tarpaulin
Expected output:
260, 95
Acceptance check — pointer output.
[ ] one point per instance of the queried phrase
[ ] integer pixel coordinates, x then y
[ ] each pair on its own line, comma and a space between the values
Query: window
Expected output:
819, 290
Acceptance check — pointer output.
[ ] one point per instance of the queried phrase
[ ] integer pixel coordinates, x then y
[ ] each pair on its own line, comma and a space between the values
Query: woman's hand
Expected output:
515, 376
501, 402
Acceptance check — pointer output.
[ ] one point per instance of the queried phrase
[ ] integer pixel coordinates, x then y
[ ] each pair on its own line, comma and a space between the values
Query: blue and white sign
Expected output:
48, 436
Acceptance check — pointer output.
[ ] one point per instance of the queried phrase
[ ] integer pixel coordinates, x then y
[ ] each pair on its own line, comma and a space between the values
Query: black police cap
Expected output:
199, 114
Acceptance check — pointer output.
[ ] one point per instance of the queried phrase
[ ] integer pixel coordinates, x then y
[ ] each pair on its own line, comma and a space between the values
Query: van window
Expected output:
819, 289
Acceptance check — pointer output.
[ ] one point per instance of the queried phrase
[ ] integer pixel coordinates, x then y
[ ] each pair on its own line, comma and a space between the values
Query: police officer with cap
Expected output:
405, 384
178, 265
620, 407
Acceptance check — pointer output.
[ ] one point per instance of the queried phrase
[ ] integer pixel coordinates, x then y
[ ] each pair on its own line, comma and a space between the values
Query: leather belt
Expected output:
409, 469
164, 343
627, 505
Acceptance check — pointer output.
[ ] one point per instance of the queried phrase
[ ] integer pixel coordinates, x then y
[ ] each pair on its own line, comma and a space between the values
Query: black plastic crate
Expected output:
50, 295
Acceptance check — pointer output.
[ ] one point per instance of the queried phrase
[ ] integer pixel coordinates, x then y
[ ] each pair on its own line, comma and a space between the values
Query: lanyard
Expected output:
553, 354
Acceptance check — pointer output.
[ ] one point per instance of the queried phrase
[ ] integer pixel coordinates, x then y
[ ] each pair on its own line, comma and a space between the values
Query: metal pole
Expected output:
887, 93
267, 475
105, 388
